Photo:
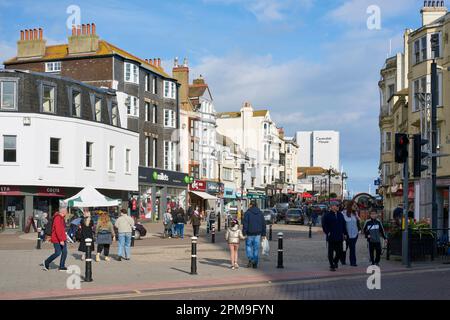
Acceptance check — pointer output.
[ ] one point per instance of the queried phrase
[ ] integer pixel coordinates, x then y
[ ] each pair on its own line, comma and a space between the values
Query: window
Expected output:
147, 151
440, 88
386, 172
265, 175
53, 66
438, 48
420, 50
147, 111
265, 152
48, 99
76, 104
155, 152
169, 90
154, 86
98, 109
147, 82
391, 89
89, 146
8, 95
114, 115
194, 128
169, 155
273, 175
169, 118
423, 47
111, 158
420, 86
9, 148
54, 150
154, 114
132, 104
127, 161
131, 73
387, 142
228, 174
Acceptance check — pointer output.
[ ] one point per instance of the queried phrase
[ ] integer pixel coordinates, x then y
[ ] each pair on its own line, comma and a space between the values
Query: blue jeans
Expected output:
59, 251
173, 229
180, 230
124, 244
252, 246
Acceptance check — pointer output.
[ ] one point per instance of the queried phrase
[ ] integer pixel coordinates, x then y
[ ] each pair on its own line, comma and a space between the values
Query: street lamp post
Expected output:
330, 173
344, 177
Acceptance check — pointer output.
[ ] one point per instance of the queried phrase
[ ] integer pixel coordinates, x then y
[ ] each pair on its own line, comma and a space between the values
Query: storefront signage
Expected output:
229, 193
10, 191
50, 192
198, 185
163, 177
256, 196
213, 187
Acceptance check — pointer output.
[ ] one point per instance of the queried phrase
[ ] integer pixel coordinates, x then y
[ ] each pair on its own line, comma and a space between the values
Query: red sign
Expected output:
198, 185
50, 192
10, 191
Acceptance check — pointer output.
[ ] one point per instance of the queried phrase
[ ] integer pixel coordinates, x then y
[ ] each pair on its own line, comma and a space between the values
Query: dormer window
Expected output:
53, 66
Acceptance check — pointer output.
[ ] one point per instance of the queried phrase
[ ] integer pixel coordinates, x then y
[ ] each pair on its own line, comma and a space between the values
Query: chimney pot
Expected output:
93, 28
22, 35
41, 33
35, 34
88, 31
154, 61
74, 30
78, 30
159, 62
27, 35
83, 29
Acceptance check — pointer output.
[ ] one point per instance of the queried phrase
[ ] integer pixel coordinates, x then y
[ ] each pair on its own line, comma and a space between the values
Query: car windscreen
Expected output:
294, 212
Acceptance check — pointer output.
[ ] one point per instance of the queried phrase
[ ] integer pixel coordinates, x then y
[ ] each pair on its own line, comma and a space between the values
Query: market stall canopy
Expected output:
90, 197
204, 195
306, 195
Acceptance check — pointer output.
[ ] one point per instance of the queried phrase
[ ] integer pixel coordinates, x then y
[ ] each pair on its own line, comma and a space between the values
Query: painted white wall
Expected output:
303, 139
326, 149
185, 141
33, 153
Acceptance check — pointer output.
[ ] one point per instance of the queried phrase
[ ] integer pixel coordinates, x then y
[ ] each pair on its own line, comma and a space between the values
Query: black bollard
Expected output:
133, 235
39, 239
388, 249
310, 230
194, 256
270, 232
280, 250
218, 223
213, 233
88, 271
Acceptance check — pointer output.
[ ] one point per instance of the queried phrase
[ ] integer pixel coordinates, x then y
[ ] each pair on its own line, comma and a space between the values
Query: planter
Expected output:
419, 246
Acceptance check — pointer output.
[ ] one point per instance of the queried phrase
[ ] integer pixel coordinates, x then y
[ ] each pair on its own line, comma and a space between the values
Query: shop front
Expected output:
159, 189
259, 196
206, 195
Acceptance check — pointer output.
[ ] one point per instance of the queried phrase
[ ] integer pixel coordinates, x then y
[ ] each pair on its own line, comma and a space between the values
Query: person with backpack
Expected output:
105, 236
85, 231
168, 223
196, 221
124, 225
254, 229
335, 229
234, 236
56, 230
181, 220
374, 231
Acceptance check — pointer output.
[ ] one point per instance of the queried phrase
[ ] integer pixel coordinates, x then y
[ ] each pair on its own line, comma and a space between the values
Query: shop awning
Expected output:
204, 195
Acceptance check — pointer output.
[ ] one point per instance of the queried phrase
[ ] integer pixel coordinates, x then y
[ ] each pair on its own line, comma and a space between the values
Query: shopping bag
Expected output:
265, 247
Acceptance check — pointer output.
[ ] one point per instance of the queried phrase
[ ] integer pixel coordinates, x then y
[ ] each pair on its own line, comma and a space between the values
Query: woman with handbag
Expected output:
105, 236
85, 231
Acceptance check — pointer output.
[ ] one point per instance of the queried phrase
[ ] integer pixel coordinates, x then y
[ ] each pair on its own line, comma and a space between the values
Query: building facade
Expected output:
57, 136
318, 149
148, 94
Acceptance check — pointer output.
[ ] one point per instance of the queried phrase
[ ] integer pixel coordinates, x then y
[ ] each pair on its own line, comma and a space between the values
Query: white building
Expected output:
319, 149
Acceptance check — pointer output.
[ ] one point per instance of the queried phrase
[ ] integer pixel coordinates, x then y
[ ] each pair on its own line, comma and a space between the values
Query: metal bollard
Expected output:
218, 223
270, 232
310, 230
133, 235
280, 250
194, 256
213, 234
88, 271
39, 239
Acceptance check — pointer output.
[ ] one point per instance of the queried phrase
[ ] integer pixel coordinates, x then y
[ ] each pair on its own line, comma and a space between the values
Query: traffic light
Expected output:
435, 44
401, 147
419, 155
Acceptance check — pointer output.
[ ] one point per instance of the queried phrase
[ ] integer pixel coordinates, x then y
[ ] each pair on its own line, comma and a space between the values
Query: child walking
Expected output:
234, 236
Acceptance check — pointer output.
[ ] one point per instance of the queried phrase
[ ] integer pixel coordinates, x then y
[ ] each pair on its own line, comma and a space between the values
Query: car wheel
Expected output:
137, 235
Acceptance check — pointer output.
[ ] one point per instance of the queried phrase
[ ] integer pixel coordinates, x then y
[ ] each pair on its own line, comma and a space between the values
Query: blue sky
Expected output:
313, 63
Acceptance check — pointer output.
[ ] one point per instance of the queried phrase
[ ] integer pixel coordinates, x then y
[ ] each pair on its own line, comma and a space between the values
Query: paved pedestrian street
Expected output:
160, 269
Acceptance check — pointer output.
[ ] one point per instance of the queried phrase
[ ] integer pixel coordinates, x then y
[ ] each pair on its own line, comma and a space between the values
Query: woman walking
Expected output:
105, 236
168, 223
196, 221
234, 236
86, 231
353, 225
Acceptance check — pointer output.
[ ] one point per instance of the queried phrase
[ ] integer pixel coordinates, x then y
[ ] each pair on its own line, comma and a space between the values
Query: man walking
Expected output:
59, 240
373, 229
334, 226
254, 228
124, 225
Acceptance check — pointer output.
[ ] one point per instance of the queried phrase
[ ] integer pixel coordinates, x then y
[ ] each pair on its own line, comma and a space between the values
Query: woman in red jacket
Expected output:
59, 240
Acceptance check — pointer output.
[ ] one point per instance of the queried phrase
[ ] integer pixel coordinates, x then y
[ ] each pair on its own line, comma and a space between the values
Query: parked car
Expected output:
269, 216
281, 209
275, 211
295, 216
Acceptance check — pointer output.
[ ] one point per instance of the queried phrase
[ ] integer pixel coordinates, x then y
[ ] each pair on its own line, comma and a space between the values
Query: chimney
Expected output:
181, 74
83, 39
199, 81
432, 10
175, 62
31, 44
159, 63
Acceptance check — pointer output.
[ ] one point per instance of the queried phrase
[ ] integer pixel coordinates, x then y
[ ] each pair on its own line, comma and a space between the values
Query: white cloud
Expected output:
268, 10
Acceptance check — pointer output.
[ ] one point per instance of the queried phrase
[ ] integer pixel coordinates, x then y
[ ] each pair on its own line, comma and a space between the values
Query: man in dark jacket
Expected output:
334, 226
254, 228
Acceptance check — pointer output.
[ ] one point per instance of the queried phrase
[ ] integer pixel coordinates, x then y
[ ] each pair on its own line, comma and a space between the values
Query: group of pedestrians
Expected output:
174, 222
103, 233
342, 228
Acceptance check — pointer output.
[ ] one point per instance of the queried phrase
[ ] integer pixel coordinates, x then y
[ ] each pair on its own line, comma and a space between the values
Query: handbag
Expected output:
104, 237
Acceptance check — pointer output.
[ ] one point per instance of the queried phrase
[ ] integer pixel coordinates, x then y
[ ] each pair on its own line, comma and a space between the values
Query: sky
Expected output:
314, 64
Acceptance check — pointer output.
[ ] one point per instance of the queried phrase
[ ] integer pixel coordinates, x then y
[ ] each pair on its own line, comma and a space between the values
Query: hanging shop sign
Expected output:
198, 185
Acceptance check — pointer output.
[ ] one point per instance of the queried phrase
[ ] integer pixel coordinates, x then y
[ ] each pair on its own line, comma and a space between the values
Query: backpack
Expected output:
212, 215
49, 227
